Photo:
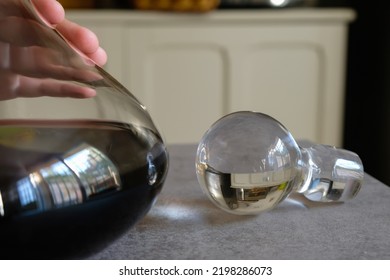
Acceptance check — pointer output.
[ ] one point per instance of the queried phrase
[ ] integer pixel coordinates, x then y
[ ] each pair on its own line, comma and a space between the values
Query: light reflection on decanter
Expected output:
79, 175
248, 162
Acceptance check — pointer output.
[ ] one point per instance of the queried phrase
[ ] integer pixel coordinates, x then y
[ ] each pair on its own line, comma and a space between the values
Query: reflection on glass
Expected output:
72, 179
1, 205
278, 3
247, 192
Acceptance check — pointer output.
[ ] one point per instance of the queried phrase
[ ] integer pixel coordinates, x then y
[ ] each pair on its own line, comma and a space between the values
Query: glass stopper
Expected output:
248, 162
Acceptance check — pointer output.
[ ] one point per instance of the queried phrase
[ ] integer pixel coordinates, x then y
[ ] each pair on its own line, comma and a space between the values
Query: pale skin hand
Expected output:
24, 63
83, 39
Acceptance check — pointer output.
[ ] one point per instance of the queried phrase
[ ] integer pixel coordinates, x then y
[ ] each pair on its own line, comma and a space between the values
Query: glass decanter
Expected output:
81, 160
248, 162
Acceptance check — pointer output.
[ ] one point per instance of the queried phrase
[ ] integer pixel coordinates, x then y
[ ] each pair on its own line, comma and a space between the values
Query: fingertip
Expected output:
100, 56
75, 91
51, 11
58, 13
85, 40
87, 92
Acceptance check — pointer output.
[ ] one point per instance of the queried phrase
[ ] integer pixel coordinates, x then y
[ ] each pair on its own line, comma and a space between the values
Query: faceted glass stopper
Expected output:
248, 162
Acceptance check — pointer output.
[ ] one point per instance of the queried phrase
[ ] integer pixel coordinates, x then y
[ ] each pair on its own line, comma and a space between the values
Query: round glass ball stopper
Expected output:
248, 162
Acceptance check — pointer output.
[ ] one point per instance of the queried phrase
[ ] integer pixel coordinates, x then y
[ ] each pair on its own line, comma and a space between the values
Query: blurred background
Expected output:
367, 110
366, 114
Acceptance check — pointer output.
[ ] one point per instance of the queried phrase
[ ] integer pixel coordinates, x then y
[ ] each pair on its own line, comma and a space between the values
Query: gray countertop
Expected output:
184, 224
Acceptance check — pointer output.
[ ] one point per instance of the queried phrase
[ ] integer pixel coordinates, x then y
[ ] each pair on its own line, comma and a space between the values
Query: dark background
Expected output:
367, 112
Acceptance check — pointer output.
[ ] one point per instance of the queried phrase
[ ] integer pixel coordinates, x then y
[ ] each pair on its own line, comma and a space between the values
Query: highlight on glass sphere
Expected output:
248, 162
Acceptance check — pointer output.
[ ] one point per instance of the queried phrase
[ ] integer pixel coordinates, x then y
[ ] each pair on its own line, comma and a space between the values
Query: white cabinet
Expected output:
191, 69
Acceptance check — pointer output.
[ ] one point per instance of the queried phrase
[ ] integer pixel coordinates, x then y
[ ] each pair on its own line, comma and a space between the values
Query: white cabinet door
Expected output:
189, 76
181, 75
296, 74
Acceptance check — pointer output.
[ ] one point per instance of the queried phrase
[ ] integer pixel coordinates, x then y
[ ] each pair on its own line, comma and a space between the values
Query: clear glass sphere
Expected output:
247, 162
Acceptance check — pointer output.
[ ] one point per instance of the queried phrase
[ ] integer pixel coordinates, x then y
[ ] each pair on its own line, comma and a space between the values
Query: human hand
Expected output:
82, 38
31, 65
